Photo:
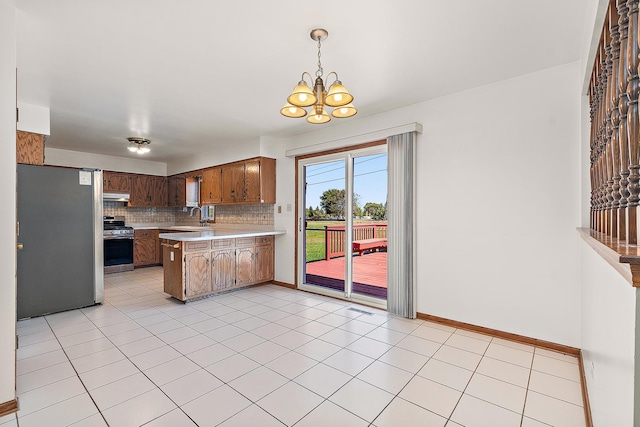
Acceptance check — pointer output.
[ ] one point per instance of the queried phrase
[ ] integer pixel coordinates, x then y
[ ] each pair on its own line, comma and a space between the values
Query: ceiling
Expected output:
195, 75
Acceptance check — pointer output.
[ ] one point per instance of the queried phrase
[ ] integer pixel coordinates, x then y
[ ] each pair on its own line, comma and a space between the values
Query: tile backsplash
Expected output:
258, 214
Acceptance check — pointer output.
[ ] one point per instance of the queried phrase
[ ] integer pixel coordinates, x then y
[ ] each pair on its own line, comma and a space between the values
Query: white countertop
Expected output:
193, 233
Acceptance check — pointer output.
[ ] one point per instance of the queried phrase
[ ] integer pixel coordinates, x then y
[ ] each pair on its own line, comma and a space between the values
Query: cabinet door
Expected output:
116, 182
29, 148
252, 181
210, 191
223, 269
244, 266
144, 252
176, 190
197, 274
233, 183
140, 190
264, 262
158, 191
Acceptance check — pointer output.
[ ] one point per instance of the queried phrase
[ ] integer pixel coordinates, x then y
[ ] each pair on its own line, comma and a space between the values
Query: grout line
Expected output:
147, 294
76, 371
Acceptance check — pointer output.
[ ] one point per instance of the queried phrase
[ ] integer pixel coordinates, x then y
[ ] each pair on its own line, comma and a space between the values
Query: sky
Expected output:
370, 179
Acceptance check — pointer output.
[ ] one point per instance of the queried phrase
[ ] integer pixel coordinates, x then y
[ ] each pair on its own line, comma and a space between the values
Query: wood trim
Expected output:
524, 340
501, 334
623, 257
284, 284
9, 407
585, 393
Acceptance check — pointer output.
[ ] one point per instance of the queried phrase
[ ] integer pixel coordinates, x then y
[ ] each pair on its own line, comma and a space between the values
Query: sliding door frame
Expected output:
347, 154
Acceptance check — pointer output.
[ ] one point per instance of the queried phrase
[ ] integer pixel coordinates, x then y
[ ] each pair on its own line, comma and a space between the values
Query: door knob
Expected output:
19, 246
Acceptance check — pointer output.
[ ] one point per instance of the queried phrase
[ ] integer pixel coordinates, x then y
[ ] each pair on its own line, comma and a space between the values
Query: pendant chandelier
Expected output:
138, 145
337, 97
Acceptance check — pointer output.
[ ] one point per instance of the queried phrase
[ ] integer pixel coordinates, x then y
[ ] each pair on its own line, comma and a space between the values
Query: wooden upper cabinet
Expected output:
177, 190
140, 190
159, 191
252, 181
233, 183
29, 148
210, 190
116, 182
148, 190
249, 181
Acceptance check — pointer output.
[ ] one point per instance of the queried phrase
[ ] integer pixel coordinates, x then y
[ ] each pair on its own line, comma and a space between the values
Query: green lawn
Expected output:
315, 238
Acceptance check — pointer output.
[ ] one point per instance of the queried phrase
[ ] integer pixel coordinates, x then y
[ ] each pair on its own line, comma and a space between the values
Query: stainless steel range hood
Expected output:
115, 197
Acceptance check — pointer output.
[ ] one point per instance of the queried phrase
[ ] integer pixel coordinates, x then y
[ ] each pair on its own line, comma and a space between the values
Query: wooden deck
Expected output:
369, 274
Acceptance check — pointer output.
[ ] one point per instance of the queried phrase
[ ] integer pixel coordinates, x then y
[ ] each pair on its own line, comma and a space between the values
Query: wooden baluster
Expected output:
592, 155
623, 129
600, 140
614, 100
633, 90
607, 129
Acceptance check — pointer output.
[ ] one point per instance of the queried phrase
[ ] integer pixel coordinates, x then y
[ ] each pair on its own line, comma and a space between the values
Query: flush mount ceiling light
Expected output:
138, 145
302, 96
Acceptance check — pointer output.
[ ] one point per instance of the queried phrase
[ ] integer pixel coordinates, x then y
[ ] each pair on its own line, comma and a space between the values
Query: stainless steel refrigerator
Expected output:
60, 229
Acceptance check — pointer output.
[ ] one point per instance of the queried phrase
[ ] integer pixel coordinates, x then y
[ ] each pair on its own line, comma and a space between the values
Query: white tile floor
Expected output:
271, 356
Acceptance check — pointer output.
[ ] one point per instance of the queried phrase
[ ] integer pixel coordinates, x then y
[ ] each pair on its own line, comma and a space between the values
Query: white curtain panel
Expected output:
401, 283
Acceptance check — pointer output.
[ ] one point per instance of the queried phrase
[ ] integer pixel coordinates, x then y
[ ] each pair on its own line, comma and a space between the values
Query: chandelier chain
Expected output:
319, 71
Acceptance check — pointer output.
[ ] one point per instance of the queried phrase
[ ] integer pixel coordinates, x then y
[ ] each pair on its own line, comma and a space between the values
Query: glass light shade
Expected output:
338, 95
133, 147
344, 111
290, 110
302, 95
143, 150
316, 118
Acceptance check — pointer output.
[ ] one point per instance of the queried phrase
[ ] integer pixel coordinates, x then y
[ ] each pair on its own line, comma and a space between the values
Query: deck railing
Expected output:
335, 236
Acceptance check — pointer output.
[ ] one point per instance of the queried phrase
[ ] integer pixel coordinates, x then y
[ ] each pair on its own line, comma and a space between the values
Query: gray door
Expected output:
56, 226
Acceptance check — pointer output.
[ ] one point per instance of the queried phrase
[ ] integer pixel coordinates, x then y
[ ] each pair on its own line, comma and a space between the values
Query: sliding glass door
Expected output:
342, 225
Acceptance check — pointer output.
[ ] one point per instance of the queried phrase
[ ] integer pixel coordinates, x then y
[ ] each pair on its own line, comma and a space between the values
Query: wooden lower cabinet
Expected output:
145, 248
264, 259
208, 267
223, 269
197, 274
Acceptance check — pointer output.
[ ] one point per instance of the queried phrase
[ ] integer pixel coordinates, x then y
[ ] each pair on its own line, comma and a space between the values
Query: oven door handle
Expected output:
118, 237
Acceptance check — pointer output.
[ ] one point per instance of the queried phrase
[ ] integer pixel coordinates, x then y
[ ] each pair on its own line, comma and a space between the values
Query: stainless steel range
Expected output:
118, 245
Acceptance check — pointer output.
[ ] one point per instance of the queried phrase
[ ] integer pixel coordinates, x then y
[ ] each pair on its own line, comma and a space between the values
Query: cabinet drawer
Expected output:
145, 234
264, 240
221, 243
245, 241
197, 246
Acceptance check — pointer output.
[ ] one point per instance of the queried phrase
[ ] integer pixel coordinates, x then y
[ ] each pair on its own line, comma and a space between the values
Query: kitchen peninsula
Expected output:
201, 263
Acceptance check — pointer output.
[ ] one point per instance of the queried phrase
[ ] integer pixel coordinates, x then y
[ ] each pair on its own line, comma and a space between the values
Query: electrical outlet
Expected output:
288, 207
279, 209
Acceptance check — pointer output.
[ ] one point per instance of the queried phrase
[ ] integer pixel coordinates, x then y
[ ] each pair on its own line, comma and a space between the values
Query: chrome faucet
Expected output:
203, 215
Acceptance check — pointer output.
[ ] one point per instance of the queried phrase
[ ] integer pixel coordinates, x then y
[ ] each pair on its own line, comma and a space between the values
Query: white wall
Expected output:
498, 178
8, 197
608, 338
285, 197
227, 154
56, 157
498, 173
